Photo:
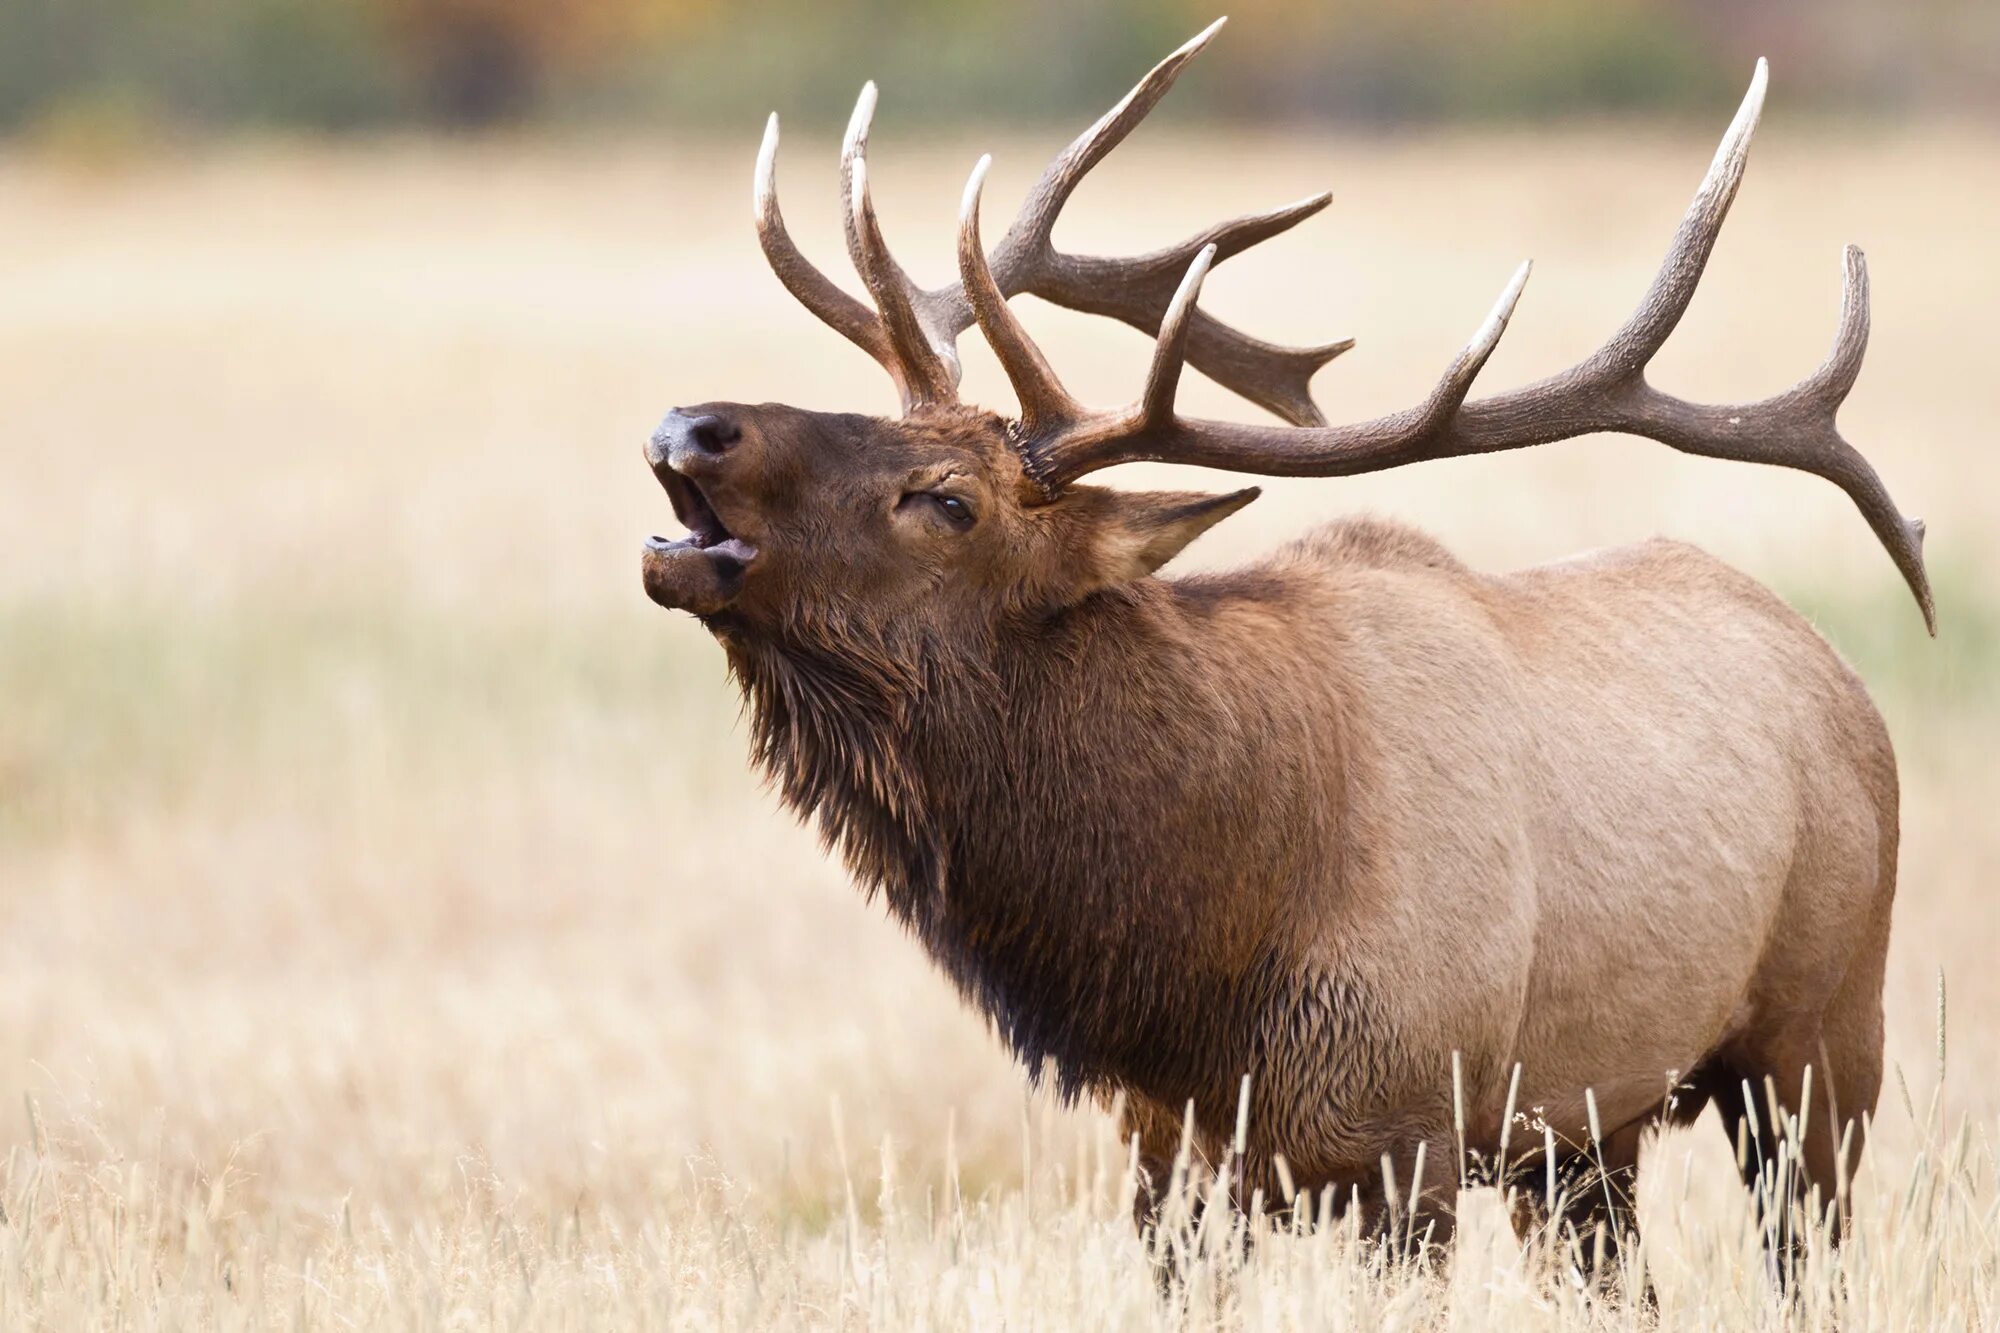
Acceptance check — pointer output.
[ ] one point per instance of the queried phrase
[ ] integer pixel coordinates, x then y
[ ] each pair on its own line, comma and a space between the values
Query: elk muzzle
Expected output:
704, 571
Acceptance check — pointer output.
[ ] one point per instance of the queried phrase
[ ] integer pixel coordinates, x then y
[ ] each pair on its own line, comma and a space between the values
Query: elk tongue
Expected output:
703, 579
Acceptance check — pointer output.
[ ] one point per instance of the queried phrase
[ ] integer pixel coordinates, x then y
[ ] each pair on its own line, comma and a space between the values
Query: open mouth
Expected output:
702, 571
705, 531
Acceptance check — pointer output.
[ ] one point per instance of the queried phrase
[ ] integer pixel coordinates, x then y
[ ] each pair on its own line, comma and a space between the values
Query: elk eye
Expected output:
955, 510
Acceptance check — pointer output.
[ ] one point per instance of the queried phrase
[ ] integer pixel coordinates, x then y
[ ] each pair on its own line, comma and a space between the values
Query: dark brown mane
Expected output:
1009, 863
833, 724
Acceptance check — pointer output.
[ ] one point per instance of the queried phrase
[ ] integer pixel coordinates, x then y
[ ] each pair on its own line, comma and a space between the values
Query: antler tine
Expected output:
1797, 428
1156, 434
1077, 435
921, 327
1137, 291
1436, 411
1606, 392
812, 288
1457, 381
1037, 218
1163, 376
928, 378
1834, 379
1045, 404
1629, 349
853, 153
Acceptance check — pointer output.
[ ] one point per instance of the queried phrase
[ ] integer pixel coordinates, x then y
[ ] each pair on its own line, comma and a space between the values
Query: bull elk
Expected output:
1346, 817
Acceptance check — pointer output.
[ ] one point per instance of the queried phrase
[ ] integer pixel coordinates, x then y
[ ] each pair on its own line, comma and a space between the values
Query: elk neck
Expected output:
1045, 806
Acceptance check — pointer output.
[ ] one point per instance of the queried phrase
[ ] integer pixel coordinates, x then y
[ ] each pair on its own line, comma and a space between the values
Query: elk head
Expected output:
951, 513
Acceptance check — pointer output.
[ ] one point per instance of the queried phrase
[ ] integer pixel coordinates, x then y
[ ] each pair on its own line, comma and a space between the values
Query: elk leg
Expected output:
1158, 1131
1782, 1170
1847, 1079
1416, 1216
1596, 1196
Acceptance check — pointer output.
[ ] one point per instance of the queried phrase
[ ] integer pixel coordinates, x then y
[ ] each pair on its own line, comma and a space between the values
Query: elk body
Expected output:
1625, 822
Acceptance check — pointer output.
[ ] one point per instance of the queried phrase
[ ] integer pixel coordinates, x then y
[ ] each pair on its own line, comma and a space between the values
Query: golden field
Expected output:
391, 933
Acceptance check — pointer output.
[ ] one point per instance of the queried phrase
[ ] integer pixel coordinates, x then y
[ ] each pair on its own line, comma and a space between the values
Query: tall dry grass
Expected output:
390, 931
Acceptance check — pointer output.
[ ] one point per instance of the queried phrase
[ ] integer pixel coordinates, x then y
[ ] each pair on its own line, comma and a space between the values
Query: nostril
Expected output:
713, 434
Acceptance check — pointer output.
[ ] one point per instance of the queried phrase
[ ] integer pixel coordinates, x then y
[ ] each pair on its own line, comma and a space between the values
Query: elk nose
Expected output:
683, 436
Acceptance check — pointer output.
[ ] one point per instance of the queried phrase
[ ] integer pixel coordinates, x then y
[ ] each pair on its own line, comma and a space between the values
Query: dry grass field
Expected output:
391, 934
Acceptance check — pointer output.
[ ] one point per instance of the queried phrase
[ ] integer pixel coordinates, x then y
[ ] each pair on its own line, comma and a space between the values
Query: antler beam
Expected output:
1607, 392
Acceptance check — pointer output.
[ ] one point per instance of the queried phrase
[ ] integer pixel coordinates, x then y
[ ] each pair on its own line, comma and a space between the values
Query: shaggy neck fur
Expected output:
1030, 808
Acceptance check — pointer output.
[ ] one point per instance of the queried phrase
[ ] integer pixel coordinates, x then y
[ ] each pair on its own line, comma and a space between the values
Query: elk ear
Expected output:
1136, 532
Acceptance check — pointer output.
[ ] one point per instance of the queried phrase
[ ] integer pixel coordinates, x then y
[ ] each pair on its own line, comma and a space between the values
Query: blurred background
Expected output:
376, 861
109, 67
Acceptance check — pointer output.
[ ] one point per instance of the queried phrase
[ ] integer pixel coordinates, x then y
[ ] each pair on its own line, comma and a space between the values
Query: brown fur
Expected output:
1625, 819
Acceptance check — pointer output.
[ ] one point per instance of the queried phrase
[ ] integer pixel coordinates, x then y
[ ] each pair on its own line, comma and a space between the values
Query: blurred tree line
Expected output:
354, 64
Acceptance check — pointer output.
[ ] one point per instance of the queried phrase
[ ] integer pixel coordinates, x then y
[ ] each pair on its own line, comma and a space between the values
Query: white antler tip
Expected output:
767, 160
975, 185
1179, 309
1488, 337
1503, 309
1205, 36
1760, 83
1737, 141
1187, 49
1190, 289
857, 124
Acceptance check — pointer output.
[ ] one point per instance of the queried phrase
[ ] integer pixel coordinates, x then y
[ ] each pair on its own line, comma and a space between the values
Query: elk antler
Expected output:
1605, 392
1047, 410
913, 332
